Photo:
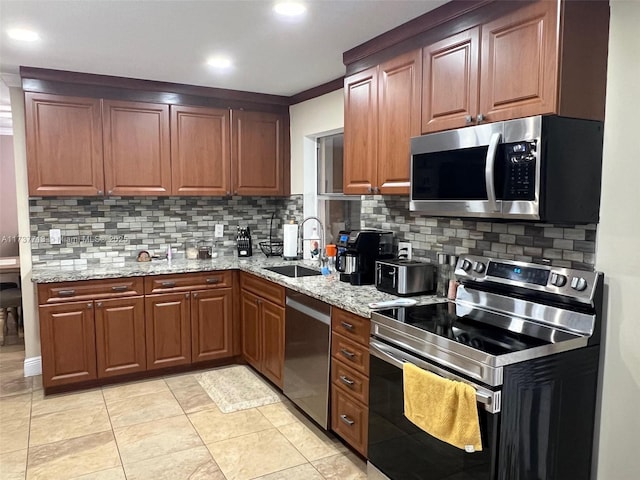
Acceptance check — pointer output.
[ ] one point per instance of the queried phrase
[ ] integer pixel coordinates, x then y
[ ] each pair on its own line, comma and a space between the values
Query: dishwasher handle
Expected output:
309, 311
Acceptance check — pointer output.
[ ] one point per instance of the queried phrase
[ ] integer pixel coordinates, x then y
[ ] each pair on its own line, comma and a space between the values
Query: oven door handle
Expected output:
397, 358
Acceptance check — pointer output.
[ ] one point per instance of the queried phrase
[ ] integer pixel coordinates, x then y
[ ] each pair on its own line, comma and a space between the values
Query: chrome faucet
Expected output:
321, 256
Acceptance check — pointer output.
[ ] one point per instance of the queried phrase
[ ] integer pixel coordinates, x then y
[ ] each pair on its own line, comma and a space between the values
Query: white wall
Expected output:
308, 119
618, 250
8, 210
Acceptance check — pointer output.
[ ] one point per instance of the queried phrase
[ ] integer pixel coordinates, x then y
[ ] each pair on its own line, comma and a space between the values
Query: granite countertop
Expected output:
327, 288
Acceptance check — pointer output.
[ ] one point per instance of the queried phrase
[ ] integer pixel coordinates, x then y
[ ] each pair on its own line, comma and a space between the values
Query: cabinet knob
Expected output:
376, 189
100, 192
369, 189
195, 295
90, 305
186, 295
110, 192
99, 304
235, 192
481, 118
228, 193
468, 119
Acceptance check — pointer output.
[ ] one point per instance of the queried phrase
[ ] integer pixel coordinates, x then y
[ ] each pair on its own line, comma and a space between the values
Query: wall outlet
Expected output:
401, 249
218, 230
55, 237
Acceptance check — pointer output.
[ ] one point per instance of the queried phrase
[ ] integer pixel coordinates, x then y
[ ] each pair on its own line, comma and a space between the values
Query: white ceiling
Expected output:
170, 40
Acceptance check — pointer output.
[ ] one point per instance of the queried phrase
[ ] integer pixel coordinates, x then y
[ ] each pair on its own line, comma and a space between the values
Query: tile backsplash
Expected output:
112, 230
570, 246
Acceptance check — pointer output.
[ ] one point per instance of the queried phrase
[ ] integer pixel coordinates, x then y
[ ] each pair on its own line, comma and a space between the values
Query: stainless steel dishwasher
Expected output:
307, 353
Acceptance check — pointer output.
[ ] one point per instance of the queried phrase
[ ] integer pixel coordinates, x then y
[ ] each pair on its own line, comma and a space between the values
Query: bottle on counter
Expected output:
314, 243
332, 251
444, 275
453, 282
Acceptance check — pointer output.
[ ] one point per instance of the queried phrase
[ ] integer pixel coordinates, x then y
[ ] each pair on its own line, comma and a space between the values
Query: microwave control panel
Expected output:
520, 174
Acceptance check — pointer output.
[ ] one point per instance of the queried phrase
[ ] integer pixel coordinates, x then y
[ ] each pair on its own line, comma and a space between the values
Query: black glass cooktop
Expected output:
468, 329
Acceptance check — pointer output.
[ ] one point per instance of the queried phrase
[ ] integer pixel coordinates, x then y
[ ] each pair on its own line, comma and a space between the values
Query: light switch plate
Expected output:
218, 230
408, 252
55, 237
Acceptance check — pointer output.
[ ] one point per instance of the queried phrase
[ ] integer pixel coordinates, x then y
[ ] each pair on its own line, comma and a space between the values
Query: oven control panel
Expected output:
579, 284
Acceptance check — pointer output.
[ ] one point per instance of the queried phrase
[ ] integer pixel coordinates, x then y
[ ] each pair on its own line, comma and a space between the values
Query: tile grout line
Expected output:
113, 433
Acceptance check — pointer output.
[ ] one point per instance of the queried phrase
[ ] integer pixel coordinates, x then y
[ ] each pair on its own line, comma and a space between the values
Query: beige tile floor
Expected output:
166, 428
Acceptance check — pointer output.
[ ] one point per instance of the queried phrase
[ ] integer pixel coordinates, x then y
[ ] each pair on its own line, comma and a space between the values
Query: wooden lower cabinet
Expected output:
68, 346
168, 330
350, 378
211, 324
120, 338
349, 419
262, 323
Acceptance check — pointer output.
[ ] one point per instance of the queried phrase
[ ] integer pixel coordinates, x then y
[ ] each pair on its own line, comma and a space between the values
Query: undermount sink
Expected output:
293, 271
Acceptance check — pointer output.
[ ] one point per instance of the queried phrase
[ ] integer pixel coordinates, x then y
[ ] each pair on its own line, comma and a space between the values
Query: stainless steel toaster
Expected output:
405, 277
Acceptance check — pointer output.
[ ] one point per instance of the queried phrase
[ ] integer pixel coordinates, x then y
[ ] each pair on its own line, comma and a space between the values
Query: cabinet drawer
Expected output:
187, 281
263, 288
349, 381
89, 290
349, 419
352, 326
352, 354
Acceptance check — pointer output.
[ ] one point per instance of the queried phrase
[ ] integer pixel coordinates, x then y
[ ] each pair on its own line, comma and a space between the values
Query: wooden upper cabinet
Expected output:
64, 145
137, 157
200, 151
399, 90
360, 131
258, 153
450, 82
519, 63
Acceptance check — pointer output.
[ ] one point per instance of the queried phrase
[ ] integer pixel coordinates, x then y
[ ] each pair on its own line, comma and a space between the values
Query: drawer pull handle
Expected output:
213, 280
67, 293
347, 353
346, 325
168, 284
347, 420
347, 381
119, 288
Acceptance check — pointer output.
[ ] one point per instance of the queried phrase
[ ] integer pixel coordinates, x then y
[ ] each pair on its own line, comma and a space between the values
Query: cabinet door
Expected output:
167, 330
200, 156
211, 324
250, 325
137, 158
360, 131
272, 341
519, 66
64, 145
450, 82
68, 343
120, 345
257, 153
399, 85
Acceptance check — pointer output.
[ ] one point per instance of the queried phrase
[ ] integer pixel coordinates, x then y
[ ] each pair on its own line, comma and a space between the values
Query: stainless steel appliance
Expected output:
527, 338
538, 168
307, 355
358, 251
405, 277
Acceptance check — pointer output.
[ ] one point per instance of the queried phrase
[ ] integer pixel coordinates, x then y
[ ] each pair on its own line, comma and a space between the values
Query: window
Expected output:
336, 210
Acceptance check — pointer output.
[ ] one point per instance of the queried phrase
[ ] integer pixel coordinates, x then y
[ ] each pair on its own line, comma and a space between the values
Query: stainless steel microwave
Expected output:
544, 168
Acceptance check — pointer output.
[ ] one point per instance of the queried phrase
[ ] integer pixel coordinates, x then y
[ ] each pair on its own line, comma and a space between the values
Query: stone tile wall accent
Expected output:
113, 230
559, 245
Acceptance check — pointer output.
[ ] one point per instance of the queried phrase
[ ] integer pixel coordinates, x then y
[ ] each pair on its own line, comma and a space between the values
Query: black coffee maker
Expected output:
358, 251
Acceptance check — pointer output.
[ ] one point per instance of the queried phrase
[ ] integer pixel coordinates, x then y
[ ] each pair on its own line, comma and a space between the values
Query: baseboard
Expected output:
32, 366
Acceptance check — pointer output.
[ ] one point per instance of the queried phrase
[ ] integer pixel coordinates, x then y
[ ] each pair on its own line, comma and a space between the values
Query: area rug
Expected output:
236, 388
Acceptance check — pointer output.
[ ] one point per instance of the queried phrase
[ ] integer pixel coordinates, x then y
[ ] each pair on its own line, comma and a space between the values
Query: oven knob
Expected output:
558, 280
465, 265
478, 267
578, 283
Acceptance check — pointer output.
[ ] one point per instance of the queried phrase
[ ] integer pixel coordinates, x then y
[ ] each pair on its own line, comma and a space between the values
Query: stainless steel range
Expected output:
527, 338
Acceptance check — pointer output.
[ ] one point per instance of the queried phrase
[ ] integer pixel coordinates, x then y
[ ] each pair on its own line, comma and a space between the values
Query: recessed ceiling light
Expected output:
23, 34
289, 9
219, 62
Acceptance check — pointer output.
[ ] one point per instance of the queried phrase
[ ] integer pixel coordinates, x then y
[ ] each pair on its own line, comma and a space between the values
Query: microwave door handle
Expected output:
489, 170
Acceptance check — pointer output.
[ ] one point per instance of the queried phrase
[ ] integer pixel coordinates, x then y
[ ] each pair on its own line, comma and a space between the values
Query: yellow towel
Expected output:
445, 409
